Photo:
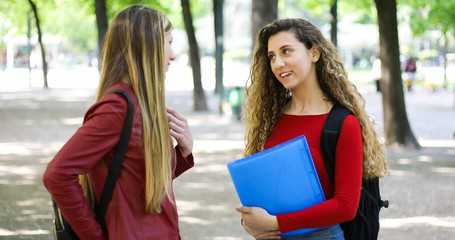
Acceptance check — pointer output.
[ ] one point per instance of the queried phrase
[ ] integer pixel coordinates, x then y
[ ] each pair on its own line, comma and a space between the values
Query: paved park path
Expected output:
35, 123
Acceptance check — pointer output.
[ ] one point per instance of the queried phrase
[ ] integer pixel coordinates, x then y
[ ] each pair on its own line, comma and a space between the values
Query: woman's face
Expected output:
291, 62
168, 52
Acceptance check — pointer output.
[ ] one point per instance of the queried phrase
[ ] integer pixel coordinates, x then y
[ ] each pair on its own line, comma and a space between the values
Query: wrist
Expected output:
184, 152
274, 223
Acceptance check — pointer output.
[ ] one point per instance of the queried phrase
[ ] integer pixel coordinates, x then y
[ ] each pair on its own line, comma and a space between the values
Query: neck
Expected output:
308, 101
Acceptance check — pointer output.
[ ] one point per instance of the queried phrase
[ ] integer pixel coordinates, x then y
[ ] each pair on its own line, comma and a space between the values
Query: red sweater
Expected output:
343, 198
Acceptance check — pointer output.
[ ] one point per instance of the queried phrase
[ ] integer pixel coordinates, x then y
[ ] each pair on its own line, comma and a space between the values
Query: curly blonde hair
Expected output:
265, 96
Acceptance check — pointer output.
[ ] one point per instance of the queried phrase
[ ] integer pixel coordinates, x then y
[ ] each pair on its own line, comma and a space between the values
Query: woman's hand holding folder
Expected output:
259, 223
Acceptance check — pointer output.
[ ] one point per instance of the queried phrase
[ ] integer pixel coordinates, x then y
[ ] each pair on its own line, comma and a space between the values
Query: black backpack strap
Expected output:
60, 222
365, 225
329, 137
117, 161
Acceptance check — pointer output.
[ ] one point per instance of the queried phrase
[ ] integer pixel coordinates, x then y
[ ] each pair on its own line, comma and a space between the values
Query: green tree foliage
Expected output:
430, 15
75, 22
15, 13
320, 9
314, 8
71, 20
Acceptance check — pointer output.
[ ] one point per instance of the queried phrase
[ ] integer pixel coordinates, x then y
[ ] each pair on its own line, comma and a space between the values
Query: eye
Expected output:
286, 51
271, 57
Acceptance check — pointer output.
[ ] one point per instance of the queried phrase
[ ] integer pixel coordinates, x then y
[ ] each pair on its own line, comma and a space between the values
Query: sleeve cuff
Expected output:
189, 159
281, 223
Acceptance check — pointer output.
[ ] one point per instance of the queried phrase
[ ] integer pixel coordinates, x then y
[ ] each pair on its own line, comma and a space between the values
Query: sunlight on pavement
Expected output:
443, 170
193, 220
226, 238
214, 188
425, 159
422, 220
215, 168
29, 148
13, 148
18, 170
217, 145
437, 143
31, 202
4, 232
78, 77
404, 161
72, 121
400, 173
185, 206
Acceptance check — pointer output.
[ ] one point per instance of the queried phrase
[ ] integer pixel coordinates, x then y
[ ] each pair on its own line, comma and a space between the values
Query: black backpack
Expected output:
365, 225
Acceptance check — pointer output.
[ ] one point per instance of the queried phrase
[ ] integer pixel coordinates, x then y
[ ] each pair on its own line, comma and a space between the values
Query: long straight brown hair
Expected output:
134, 52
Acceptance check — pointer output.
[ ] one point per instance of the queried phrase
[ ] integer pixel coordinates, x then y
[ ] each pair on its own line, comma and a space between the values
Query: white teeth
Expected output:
285, 74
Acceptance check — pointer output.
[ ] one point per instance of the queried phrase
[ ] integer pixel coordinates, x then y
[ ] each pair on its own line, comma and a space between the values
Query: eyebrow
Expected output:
284, 46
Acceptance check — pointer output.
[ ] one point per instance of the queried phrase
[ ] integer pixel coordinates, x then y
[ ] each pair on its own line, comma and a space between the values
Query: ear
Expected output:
315, 53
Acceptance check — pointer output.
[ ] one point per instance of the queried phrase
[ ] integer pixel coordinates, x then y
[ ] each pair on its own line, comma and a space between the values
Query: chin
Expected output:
288, 86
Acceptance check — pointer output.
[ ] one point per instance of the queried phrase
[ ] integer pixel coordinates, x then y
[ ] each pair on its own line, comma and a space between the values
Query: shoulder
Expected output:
113, 106
120, 86
351, 128
351, 123
116, 103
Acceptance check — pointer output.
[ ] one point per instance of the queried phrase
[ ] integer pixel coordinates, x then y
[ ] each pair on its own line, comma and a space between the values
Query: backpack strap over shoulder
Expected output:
329, 137
365, 225
117, 161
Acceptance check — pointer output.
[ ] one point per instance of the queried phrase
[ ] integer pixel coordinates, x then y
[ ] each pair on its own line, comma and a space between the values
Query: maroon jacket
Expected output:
90, 150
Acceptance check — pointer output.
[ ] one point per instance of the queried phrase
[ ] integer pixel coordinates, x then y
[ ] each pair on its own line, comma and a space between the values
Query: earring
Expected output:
288, 94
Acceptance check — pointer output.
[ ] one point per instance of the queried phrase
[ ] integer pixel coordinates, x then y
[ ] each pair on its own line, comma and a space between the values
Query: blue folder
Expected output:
281, 179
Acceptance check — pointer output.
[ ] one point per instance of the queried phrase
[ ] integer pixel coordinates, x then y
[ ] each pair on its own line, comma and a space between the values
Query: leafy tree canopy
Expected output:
320, 9
430, 15
75, 22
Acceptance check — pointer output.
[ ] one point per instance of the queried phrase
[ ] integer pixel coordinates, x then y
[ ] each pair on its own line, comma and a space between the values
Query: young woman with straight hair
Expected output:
136, 55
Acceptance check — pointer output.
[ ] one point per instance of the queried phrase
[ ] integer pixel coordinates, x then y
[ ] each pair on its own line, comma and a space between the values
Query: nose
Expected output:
172, 56
279, 62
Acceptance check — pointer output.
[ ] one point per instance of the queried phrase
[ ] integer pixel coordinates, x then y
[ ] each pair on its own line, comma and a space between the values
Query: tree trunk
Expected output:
102, 25
218, 12
200, 103
334, 22
396, 125
263, 13
40, 41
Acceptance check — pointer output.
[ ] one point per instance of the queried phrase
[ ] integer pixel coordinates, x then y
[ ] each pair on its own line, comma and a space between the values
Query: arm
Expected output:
91, 142
342, 207
348, 181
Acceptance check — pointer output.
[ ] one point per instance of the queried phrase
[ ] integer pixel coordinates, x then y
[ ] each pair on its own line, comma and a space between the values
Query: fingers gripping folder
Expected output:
281, 179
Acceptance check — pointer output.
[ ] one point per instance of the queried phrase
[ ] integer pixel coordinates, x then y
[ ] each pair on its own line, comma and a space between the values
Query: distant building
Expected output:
17, 53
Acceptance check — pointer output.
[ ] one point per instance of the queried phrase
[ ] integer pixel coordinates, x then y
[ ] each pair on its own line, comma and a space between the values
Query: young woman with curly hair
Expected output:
295, 79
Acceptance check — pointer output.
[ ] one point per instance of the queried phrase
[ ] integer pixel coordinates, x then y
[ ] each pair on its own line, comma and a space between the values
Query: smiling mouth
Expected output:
285, 74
